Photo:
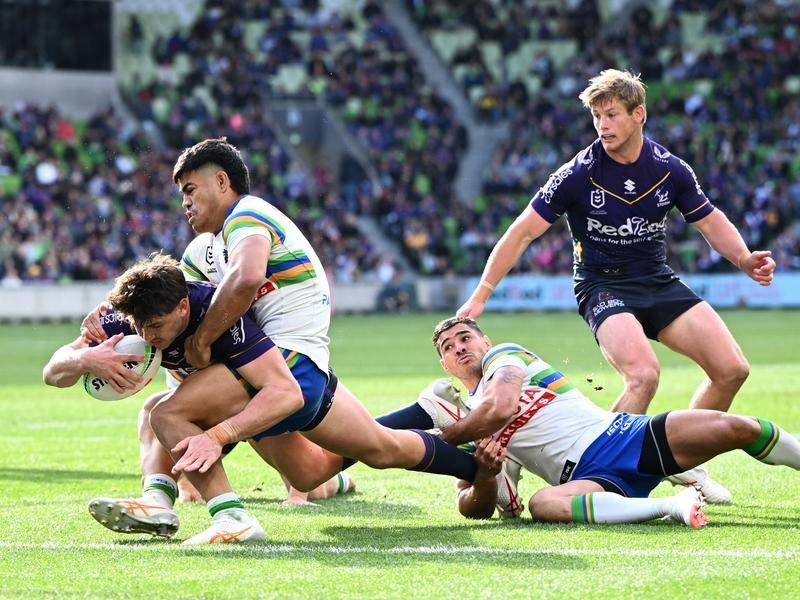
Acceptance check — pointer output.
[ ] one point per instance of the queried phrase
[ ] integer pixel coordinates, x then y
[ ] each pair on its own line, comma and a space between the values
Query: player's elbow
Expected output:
472, 506
51, 377
246, 281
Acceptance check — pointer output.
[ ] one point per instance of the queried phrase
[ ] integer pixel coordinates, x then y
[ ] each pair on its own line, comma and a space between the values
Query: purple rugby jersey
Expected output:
241, 344
617, 213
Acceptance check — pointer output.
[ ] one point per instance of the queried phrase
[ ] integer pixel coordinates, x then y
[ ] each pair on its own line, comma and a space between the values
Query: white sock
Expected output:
161, 489
608, 507
775, 446
228, 504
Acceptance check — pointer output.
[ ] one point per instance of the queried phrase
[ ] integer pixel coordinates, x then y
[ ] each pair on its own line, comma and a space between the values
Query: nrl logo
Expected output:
597, 198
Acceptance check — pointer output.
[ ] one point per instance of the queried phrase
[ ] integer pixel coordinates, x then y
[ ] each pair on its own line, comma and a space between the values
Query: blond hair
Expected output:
613, 84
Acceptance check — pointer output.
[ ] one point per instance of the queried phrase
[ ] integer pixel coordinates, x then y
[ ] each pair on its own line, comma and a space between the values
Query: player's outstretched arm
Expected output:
233, 297
526, 228
72, 360
500, 401
726, 239
478, 500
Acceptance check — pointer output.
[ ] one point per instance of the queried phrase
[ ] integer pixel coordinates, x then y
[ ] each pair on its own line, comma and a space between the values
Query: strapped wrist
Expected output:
223, 433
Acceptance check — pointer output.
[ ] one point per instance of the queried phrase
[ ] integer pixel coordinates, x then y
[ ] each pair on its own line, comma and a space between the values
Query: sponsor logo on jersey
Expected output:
237, 331
662, 196
632, 227
556, 179
566, 473
696, 183
630, 187
597, 198
605, 301
661, 155
588, 158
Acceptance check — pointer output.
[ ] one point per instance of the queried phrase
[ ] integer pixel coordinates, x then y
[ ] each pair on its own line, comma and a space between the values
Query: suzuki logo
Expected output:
630, 187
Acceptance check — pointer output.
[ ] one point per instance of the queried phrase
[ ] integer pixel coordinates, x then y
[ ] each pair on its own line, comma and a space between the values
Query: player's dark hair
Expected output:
215, 151
443, 326
151, 288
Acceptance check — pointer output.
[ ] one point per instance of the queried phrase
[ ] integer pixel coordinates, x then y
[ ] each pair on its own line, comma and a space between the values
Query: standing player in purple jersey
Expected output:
616, 194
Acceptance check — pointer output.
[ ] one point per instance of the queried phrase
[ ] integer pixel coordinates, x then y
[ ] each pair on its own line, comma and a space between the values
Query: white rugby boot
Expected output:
687, 507
443, 403
230, 527
713, 491
135, 515
509, 503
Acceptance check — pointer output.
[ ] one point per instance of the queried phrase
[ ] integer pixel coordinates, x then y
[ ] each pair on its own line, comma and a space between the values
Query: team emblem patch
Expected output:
597, 198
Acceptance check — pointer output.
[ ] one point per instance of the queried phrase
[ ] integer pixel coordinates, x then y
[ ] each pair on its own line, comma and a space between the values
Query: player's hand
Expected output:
490, 456
196, 355
759, 266
471, 308
109, 364
199, 453
91, 328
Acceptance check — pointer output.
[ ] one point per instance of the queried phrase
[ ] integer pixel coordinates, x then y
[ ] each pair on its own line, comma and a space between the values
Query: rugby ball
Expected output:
99, 388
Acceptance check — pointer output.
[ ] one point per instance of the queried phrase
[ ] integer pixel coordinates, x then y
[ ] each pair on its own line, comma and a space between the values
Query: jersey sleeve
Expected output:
250, 217
198, 258
505, 355
554, 198
690, 200
244, 342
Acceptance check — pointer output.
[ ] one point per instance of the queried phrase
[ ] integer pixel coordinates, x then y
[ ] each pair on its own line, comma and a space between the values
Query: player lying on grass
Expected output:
213, 407
601, 465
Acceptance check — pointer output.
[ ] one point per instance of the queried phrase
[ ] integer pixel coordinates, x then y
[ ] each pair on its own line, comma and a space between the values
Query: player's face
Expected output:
202, 192
617, 128
462, 349
161, 331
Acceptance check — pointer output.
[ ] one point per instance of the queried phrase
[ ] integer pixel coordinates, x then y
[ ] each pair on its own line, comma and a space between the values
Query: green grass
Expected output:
400, 535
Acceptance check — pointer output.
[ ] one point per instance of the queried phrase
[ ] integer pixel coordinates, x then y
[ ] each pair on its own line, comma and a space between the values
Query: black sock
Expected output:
409, 417
444, 459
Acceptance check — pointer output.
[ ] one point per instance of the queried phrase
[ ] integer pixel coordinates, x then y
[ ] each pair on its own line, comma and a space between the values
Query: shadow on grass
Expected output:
344, 506
59, 475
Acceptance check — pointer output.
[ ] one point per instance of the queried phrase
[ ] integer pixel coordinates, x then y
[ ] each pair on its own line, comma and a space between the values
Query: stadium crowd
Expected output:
84, 199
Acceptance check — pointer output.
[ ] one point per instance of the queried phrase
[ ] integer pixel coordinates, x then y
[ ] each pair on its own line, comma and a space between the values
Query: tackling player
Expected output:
616, 195
601, 465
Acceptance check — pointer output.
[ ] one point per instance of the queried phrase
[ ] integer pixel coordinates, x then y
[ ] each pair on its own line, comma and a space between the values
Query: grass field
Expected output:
400, 535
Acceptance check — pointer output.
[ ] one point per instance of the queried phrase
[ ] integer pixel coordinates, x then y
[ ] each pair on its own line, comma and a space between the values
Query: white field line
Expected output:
282, 549
76, 423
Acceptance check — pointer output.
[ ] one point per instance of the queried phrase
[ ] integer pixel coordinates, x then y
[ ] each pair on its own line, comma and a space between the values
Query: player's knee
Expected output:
542, 506
734, 373
162, 416
643, 379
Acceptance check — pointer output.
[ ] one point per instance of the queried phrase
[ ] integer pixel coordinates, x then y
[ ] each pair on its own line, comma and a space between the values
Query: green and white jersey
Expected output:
293, 305
553, 423
197, 261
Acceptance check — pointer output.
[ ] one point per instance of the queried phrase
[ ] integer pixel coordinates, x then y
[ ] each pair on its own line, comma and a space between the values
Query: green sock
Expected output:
775, 446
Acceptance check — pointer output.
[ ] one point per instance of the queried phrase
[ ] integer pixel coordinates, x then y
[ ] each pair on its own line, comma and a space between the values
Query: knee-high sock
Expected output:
444, 459
775, 446
607, 507
412, 416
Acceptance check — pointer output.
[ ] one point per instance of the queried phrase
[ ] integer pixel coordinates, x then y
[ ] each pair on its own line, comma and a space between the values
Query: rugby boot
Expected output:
230, 527
135, 515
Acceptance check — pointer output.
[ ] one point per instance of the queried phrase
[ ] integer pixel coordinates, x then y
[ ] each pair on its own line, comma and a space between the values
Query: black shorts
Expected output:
655, 300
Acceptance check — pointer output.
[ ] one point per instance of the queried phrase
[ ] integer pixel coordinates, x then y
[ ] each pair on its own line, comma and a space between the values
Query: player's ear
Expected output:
640, 114
223, 181
444, 367
184, 306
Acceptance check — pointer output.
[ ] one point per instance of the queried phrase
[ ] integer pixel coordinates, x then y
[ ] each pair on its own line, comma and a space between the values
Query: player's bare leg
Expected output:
204, 399
626, 348
695, 436
152, 512
585, 501
702, 335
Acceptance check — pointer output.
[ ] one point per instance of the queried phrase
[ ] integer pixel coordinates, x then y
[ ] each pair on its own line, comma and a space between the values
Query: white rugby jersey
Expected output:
197, 261
554, 422
293, 305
